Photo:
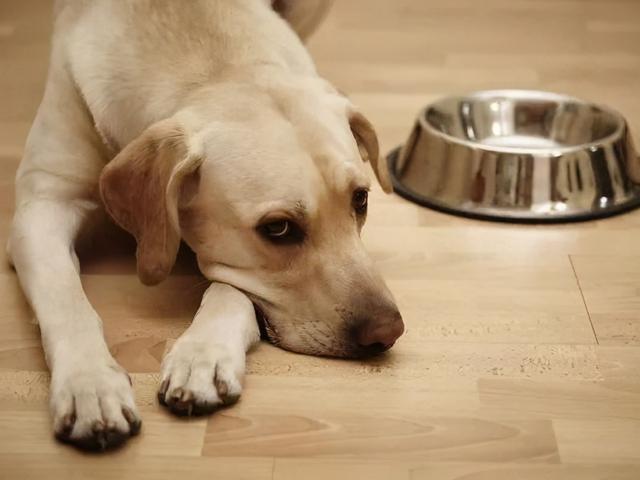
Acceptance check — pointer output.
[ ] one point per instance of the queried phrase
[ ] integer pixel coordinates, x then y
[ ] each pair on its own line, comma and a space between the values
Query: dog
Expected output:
206, 124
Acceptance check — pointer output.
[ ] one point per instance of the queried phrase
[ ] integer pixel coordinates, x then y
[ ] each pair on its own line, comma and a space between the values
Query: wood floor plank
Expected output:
454, 367
598, 440
74, 466
484, 471
611, 288
559, 399
31, 389
530, 298
446, 365
411, 436
319, 469
620, 366
482, 238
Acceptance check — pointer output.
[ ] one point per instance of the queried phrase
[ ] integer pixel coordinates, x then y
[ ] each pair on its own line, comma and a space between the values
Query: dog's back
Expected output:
138, 59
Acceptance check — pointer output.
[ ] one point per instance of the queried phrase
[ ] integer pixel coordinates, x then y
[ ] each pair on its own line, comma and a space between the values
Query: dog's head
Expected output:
270, 191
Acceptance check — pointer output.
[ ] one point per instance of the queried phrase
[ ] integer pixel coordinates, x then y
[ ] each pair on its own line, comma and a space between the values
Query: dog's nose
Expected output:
379, 334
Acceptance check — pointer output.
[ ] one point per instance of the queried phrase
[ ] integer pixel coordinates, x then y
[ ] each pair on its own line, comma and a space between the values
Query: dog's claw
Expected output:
66, 426
162, 391
101, 437
134, 422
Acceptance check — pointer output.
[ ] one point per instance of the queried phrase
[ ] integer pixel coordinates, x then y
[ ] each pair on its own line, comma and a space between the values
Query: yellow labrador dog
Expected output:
204, 122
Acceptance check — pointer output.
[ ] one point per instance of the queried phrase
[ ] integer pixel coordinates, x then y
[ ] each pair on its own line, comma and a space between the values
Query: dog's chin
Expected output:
269, 333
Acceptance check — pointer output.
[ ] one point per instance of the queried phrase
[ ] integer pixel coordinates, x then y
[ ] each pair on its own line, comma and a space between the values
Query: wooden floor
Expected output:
522, 355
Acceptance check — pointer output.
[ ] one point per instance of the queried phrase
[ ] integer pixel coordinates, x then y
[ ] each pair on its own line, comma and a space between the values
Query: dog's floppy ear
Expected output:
140, 189
367, 141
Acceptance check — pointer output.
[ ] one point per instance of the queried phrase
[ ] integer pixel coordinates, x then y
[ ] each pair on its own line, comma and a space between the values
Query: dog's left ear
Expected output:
367, 141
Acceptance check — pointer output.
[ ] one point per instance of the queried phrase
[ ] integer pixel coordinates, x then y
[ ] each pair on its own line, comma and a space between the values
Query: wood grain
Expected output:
521, 357
314, 469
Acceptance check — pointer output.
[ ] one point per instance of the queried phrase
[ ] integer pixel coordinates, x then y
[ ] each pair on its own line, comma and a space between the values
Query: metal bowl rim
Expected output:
621, 123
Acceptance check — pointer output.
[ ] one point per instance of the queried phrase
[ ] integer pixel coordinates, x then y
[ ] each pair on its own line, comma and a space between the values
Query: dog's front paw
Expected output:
93, 406
199, 377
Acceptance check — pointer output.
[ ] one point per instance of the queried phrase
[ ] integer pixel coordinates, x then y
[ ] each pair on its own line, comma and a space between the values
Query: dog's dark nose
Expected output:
379, 334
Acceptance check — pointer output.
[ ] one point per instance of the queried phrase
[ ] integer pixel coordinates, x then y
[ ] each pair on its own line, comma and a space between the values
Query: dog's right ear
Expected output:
140, 189
367, 141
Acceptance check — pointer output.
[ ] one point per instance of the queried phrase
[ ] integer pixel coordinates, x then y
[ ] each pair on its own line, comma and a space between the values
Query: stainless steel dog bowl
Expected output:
522, 156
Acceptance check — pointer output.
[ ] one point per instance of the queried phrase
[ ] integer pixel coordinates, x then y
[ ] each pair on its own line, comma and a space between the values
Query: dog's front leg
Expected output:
204, 369
91, 400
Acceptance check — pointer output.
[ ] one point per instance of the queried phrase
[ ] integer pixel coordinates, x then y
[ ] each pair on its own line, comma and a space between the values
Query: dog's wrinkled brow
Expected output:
301, 210
300, 213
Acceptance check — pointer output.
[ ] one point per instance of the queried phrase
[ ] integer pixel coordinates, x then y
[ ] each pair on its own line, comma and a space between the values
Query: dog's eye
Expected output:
277, 229
359, 201
281, 231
